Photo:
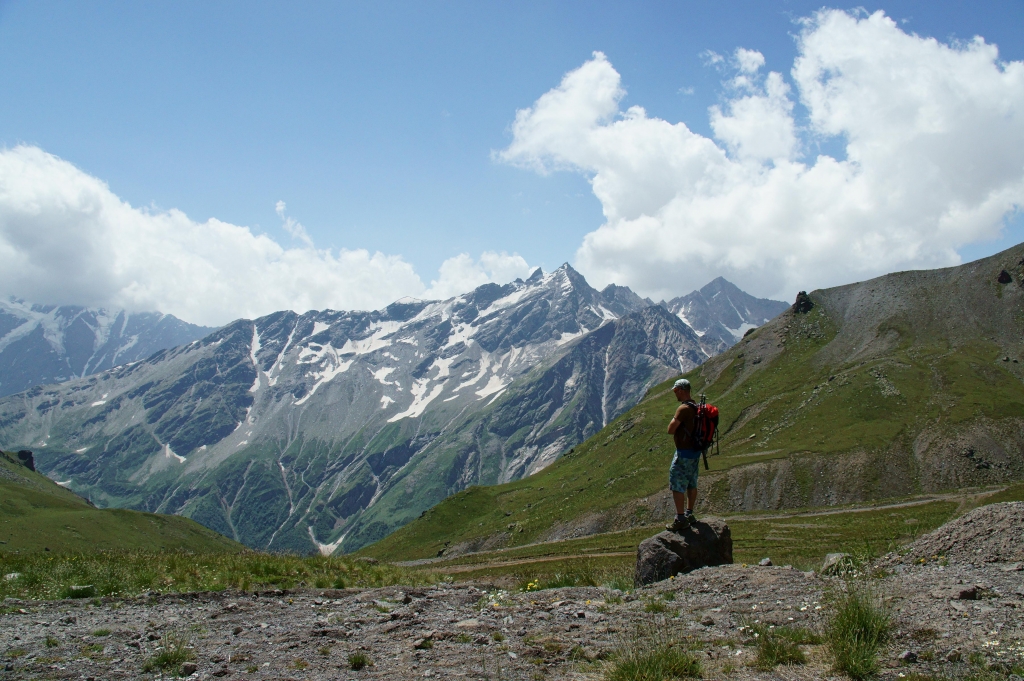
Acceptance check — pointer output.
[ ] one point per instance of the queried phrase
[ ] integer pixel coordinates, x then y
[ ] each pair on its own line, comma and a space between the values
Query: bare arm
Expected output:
674, 424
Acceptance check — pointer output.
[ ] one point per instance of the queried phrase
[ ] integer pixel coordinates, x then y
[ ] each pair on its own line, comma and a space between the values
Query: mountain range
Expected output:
42, 344
908, 384
331, 429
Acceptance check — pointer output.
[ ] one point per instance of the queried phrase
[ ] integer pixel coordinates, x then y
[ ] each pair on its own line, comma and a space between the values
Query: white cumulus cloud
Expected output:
933, 135
461, 273
65, 238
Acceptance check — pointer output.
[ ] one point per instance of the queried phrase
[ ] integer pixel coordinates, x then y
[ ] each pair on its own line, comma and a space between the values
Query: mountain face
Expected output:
721, 314
907, 384
49, 344
327, 429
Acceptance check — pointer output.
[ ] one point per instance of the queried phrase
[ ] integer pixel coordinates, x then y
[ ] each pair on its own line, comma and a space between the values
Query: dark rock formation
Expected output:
1004, 277
803, 303
705, 543
25, 457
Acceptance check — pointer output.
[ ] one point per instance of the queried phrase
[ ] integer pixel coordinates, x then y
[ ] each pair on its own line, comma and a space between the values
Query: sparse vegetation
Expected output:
357, 661
129, 573
655, 605
856, 628
650, 654
780, 645
101, 632
173, 653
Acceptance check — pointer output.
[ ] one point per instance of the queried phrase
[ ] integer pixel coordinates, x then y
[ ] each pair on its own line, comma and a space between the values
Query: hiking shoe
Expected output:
678, 525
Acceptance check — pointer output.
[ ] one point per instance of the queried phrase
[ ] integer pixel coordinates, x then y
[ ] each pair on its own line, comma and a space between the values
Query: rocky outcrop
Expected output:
26, 460
705, 543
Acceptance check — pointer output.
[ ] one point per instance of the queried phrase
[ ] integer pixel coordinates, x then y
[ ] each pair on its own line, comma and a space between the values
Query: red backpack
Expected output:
705, 429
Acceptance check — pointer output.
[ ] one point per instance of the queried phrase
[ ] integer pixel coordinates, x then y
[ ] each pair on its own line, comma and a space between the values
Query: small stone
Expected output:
765, 562
10, 576
237, 630
467, 624
708, 621
1013, 567
189, 668
908, 656
153, 637
223, 671
968, 594
543, 615
837, 564
953, 655
407, 599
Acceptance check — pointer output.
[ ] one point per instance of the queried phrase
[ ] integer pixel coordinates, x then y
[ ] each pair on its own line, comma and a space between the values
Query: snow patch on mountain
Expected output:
421, 398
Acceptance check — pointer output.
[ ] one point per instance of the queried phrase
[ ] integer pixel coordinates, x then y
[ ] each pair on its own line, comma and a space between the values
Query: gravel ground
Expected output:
457, 631
989, 534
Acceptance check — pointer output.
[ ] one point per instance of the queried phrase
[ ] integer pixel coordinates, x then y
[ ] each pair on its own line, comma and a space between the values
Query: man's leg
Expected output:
691, 499
677, 484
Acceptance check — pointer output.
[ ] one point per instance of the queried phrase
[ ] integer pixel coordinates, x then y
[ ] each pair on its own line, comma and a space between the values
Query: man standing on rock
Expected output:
682, 475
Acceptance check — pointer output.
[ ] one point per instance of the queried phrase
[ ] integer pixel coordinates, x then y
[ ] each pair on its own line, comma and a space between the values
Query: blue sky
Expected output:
378, 124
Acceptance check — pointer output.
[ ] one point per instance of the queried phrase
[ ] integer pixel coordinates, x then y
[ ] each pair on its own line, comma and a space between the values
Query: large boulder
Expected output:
706, 542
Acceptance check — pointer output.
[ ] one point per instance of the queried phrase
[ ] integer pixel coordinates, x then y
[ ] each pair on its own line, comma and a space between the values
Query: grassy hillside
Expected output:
36, 514
905, 384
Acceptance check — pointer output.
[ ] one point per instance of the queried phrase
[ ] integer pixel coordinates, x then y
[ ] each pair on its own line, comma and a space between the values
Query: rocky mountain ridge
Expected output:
721, 313
42, 344
330, 429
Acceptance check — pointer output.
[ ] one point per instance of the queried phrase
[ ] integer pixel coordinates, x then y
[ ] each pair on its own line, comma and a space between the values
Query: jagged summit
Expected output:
721, 313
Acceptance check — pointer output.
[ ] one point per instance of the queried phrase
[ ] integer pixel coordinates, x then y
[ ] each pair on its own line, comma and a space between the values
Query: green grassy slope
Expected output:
892, 387
36, 514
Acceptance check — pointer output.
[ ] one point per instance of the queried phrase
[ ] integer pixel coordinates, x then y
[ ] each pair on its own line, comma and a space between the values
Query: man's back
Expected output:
686, 414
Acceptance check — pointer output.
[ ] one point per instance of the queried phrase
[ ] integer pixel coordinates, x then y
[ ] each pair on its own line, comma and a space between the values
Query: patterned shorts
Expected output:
683, 473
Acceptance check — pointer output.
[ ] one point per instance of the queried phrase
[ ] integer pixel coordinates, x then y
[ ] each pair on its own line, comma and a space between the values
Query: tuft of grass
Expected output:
463, 638
498, 636
856, 628
780, 645
357, 661
299, 663
655, 606
650, 655
101, 632
51, 642
325, 651
174, 652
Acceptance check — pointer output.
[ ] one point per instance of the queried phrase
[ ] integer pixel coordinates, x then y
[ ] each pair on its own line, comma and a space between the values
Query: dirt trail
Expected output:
458, 567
